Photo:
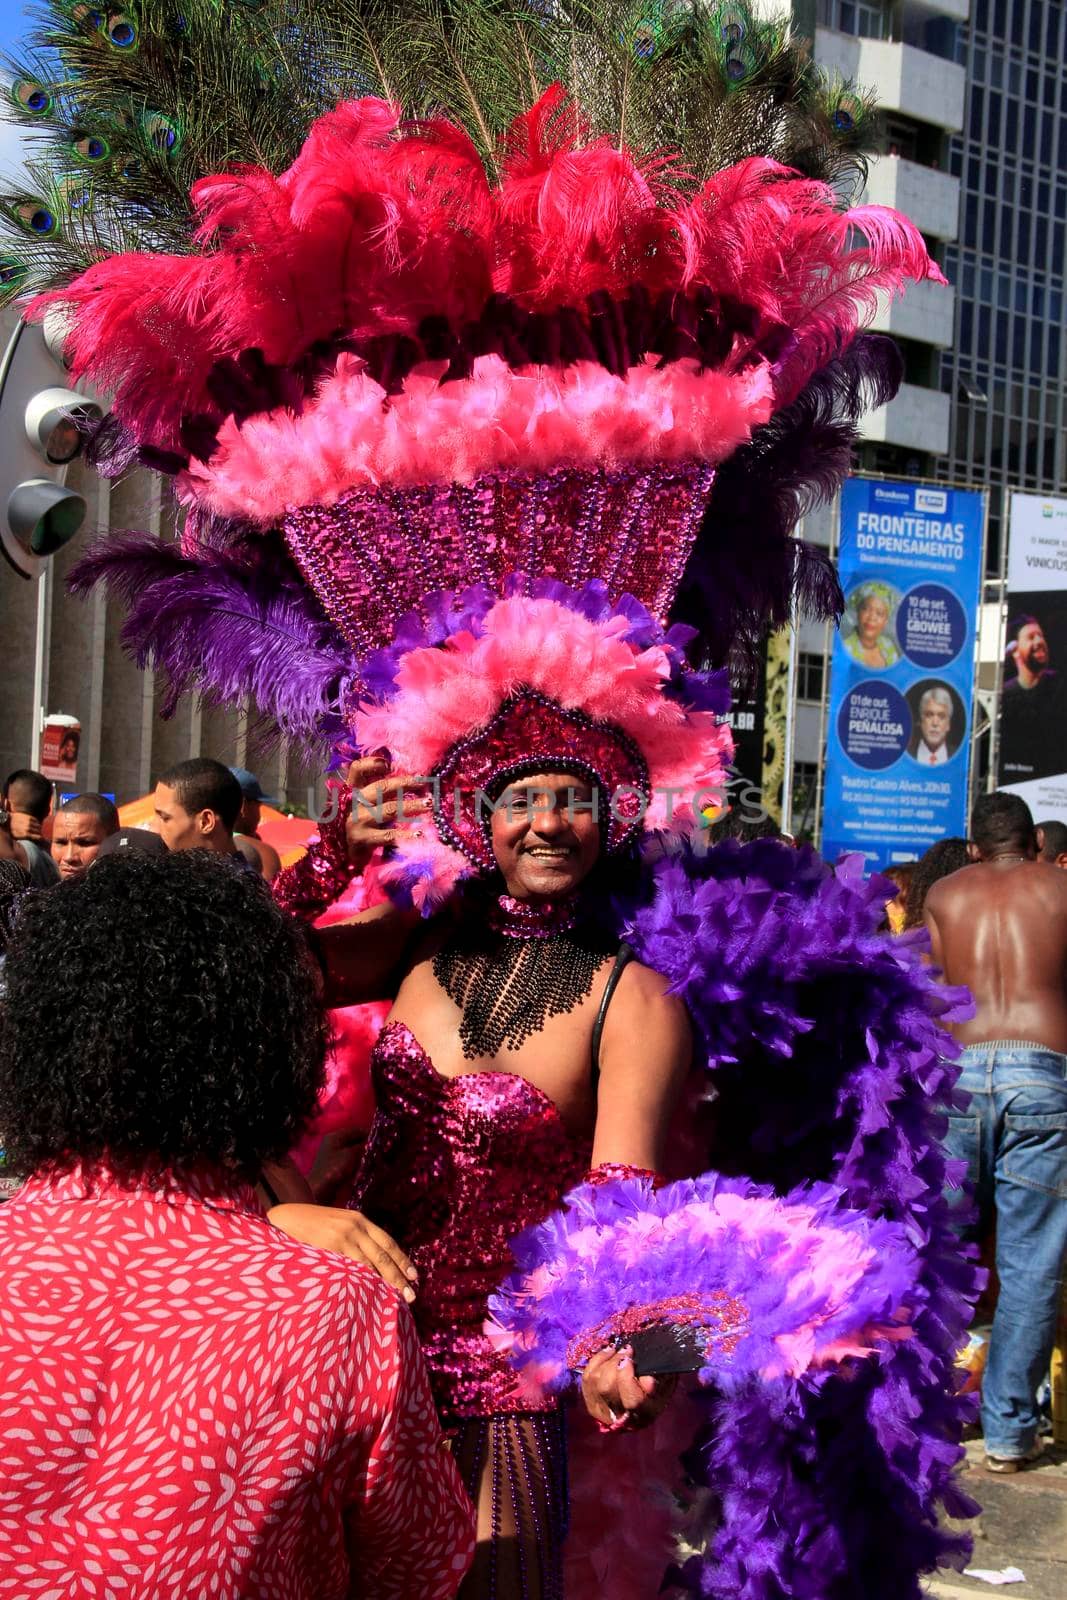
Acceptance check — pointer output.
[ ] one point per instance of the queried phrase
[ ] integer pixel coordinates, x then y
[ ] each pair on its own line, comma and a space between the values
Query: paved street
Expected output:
1023, 1524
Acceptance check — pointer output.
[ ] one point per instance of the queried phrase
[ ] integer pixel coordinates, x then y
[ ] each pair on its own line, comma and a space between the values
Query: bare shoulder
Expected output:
950, 891
645, 1057
1051, 882
246, 848
643, 1001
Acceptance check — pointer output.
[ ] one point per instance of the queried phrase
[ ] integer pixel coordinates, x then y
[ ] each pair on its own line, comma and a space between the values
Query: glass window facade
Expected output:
901, 20
866, 18
1008, 264
810, 673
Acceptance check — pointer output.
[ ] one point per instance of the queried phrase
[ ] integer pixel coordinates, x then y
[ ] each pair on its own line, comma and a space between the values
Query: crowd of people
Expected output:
198, 803
154, 1083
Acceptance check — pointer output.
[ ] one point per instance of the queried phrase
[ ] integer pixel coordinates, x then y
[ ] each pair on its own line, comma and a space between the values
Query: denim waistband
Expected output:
989, 1046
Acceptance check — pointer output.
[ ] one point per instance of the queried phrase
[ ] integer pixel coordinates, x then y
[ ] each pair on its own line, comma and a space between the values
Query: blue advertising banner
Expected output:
902, 672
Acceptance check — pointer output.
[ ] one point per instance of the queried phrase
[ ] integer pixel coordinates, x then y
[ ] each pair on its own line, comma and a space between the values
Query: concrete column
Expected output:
92, 728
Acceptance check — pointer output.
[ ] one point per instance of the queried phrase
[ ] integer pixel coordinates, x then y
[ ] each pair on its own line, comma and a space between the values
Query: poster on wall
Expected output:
902, 670
60, 739
746, 720
1032, 738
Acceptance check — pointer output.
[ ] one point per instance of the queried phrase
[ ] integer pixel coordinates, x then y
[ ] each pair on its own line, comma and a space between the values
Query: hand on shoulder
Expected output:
351, 1234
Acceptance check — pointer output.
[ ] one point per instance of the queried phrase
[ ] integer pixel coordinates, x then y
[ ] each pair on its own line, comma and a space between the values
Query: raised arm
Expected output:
9, 850
363, 959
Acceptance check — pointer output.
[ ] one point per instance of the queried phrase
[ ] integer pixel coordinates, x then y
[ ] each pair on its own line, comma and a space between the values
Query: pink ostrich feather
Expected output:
354, 435
447, 694
378, 225
424, 868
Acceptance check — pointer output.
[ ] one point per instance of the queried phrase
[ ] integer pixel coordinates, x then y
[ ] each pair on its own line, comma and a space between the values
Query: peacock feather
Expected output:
153, 95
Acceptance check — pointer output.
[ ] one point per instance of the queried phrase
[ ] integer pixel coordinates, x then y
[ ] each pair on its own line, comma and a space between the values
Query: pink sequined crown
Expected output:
552, 740
555, 684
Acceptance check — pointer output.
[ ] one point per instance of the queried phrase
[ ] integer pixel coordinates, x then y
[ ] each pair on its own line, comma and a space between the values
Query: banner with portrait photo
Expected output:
902, 670
60, 742
1032, 736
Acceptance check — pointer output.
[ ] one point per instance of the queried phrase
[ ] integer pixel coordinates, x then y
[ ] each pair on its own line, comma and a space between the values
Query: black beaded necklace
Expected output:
515, 968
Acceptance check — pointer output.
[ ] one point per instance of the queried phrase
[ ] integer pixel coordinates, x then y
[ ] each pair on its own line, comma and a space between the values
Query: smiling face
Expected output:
871, 619
1033, 647
936, 720
545, 836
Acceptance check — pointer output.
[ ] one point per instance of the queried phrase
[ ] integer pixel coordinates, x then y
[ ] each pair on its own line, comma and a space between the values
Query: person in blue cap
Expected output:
255, 850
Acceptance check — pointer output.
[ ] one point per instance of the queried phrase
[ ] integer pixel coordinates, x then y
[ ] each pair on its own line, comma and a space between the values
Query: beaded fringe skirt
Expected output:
515, 1470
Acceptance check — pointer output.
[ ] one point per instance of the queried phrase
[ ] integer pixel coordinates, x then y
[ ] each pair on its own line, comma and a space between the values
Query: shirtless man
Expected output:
1000, 927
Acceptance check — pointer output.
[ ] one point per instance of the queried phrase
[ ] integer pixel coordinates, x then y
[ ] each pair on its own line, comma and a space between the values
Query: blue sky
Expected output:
13, 22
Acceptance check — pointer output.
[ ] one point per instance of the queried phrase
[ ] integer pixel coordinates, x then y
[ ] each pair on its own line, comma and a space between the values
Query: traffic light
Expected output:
41, 432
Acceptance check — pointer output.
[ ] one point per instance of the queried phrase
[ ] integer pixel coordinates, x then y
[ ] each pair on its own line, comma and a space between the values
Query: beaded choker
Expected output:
520, 919
509, 973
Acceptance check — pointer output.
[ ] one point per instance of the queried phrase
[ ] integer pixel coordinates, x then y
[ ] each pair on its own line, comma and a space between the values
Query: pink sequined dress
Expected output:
454, 1168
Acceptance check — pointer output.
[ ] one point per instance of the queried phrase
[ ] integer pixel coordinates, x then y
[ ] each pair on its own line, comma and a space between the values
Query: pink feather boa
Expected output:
353, 435
346, 1102
629, 1504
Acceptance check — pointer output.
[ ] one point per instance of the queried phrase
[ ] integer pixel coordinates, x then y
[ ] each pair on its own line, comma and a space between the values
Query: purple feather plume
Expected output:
228, 630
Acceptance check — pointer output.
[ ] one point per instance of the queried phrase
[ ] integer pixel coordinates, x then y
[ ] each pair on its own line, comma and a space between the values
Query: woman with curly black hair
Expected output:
203, 1404
157, 1014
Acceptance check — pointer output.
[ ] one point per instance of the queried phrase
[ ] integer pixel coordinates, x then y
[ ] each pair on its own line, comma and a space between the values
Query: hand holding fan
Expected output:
715, 1276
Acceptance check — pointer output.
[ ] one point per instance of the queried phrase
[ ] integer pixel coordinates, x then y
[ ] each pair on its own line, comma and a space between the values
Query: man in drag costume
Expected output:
493, 359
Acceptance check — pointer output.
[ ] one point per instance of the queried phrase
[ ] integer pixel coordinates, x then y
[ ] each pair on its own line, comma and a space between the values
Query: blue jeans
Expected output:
1013, 1137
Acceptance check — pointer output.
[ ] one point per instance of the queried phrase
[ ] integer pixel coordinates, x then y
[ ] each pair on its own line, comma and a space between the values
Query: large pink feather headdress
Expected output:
428, 378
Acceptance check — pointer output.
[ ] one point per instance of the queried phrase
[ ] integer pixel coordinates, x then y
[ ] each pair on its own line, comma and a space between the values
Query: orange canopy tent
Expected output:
288, 835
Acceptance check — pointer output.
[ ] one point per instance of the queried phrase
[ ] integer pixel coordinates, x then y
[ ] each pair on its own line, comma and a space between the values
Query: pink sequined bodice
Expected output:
454, 1168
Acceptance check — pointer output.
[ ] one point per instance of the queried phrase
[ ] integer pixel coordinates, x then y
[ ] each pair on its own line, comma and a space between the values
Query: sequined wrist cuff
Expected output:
609, 1171
323, 874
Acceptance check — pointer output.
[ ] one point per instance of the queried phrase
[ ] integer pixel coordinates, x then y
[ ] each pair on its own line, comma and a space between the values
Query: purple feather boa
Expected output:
828, 1052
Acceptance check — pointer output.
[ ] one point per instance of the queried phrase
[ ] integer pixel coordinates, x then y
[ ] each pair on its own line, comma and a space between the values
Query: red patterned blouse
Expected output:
193, 1404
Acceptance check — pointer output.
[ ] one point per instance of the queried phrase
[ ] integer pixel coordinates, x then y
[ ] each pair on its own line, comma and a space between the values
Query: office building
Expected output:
973, 146
75, 647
